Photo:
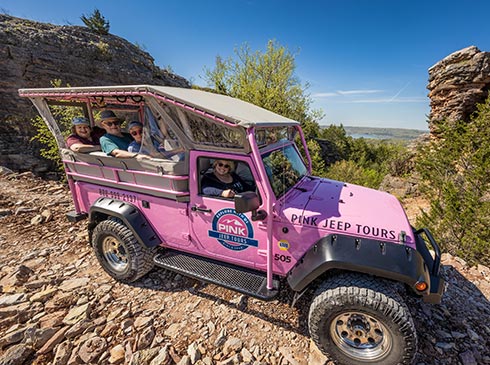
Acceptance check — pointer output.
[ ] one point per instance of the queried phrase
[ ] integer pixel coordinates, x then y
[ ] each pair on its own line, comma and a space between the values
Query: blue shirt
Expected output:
111, 142
134, 147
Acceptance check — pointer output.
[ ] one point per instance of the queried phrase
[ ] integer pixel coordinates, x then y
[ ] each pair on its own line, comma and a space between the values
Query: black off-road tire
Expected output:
119, 252
357, 319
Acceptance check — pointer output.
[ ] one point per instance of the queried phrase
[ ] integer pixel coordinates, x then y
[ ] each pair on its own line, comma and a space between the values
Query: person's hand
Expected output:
140, 157
228, 193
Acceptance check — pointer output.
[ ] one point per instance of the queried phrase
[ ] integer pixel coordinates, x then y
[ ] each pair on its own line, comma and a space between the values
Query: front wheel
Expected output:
119, 252
356, 319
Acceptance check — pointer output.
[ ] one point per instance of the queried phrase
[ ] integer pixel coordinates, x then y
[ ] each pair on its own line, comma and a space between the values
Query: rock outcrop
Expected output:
457, 83
33, 54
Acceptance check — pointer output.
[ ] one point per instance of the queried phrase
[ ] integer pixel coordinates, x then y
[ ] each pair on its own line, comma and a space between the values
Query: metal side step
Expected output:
246, 281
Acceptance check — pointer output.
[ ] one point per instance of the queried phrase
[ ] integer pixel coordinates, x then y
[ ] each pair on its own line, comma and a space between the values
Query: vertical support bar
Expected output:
268, 198
90, 113
303, 141
72, 187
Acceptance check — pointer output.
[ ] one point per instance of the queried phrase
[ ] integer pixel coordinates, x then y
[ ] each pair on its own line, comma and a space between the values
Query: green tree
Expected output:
267, 80
96, 22
456, 172
339, 143
317, 160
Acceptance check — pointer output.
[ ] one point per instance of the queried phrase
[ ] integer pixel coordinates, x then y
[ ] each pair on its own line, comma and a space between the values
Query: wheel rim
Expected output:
115, 254
360, 336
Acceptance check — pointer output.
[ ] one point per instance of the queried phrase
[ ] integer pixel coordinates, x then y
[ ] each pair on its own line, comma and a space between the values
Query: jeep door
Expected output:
217, 230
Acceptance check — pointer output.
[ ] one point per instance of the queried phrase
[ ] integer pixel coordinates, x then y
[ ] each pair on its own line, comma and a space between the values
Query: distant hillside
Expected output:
384, 133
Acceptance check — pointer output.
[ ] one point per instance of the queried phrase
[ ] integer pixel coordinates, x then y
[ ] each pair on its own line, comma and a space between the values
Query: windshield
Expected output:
284, 168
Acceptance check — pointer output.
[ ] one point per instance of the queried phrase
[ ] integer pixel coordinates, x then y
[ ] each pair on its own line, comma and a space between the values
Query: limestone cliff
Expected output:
457, 83
32, 54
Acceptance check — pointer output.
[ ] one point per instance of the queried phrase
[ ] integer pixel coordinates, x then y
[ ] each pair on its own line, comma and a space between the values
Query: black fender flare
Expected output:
388, 260
129, 214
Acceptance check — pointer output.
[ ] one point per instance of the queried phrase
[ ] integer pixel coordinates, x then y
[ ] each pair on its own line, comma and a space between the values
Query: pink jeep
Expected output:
349, 244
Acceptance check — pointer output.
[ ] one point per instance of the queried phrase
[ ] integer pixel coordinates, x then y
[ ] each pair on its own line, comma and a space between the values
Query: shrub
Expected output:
351, 172
456, 173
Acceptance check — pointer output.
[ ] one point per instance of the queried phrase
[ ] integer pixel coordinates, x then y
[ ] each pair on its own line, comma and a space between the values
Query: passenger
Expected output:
114, 142
222, 181
83, 138
136, 130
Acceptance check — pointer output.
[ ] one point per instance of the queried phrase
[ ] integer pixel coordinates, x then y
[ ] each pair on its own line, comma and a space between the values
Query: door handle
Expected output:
195, 208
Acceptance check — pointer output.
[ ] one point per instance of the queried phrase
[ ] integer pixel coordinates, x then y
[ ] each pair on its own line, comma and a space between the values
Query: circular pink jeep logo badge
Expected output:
232, 230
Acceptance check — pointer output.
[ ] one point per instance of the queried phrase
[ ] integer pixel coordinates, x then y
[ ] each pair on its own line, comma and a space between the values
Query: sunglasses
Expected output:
110, 124
136, 133
225, 165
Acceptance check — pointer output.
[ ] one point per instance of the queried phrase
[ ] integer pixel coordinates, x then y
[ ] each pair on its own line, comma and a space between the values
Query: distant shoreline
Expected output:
384, 133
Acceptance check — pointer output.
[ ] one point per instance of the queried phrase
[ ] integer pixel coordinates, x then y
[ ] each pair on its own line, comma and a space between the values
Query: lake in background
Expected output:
372, 136
384, 133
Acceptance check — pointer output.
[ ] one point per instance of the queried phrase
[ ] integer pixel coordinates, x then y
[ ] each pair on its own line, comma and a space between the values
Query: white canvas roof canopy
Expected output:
218, 107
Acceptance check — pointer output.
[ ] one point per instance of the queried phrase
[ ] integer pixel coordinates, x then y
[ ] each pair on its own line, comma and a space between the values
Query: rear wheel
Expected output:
119, 252
356, 319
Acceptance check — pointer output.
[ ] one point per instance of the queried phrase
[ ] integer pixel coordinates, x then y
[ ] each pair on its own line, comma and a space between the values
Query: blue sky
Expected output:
366, 62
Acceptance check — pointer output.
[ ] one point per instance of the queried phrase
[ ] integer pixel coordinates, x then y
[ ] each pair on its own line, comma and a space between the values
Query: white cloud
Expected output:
394, 100
324, 95
346, 92
358, 92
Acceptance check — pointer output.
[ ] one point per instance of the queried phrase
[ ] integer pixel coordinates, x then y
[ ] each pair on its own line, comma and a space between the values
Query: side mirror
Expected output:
249, 201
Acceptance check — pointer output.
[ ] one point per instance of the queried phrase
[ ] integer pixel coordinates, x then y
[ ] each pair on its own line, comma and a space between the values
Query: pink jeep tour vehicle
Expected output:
276, 227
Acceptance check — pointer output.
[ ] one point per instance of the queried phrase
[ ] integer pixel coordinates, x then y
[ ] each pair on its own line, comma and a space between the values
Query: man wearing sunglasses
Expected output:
114, 142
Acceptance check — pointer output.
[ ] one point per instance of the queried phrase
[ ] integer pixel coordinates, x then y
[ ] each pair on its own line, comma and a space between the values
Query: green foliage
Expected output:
44, 136
267, 80
351, 172
456, 172
96, 22
376, 155
366, 162
317, 161
63, 116
339, 141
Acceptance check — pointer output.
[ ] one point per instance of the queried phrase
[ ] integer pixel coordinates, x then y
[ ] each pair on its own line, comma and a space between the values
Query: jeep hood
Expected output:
349, 209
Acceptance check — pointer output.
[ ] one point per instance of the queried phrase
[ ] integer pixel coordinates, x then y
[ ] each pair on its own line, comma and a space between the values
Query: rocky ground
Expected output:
57, 306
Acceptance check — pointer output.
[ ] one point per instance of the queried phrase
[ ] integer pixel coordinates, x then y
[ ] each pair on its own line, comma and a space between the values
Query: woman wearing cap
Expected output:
222, 181
114, 142
83, 138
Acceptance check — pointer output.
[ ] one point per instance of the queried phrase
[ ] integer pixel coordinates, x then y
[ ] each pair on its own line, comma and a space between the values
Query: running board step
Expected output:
245, 281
